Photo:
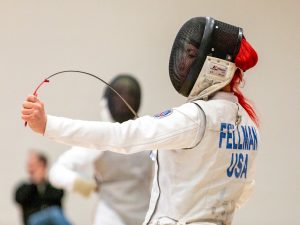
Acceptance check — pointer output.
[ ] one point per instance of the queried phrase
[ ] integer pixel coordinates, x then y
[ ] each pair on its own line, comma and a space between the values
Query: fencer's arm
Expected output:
180, 129
183, 128
33, 113
66, 170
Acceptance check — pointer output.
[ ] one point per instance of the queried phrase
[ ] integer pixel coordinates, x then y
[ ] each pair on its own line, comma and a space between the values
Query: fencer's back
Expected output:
208, 182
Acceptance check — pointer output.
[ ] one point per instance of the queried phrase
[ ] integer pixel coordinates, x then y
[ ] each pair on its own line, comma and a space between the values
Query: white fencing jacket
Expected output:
117, 175
204, 163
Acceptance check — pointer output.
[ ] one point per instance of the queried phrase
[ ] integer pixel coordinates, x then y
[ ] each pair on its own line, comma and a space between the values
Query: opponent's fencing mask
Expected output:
202, 55
129, 88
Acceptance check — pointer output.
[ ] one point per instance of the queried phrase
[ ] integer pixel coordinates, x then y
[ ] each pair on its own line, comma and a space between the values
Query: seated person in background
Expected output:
39, 200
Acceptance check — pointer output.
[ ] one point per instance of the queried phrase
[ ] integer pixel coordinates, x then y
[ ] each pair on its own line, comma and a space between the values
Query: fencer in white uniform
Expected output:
122, 181
206, 148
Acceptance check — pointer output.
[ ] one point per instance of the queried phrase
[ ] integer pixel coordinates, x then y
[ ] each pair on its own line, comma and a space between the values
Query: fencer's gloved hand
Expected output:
84, 186
33, 113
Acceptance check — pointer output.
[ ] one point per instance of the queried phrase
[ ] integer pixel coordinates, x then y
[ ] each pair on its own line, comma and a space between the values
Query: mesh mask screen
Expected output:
129, 88
198, 38
185, 51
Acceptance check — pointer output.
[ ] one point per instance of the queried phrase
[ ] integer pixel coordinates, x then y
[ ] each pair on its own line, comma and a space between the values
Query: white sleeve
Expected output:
67, 168
180, 128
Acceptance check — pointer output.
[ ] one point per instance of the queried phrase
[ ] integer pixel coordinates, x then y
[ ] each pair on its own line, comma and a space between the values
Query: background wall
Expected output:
107, 37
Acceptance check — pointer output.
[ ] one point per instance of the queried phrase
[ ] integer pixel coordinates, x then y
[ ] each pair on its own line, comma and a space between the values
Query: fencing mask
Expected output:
129, 88
202, 56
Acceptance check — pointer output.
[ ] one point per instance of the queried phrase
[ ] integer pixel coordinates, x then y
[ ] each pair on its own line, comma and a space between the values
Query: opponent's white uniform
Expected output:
117, 175
204, 164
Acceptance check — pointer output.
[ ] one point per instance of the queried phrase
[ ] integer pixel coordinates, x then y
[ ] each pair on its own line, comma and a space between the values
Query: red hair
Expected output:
245, 59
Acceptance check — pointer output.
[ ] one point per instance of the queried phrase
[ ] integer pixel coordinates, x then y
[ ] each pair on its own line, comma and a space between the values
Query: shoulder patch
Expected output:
163, 114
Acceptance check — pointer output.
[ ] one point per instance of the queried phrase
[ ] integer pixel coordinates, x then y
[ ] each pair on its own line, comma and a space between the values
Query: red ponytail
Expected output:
246, 59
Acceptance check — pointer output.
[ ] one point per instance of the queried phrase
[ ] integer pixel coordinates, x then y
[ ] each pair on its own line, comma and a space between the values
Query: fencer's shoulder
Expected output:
211, 108
186, 106
178, 113
190, 109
